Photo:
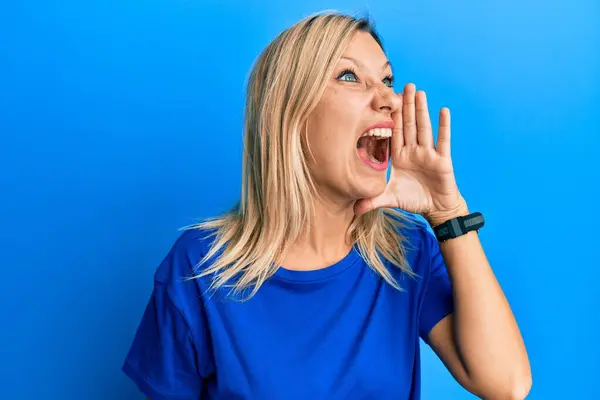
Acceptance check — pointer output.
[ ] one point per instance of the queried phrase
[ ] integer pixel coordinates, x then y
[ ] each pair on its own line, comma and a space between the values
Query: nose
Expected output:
385, 99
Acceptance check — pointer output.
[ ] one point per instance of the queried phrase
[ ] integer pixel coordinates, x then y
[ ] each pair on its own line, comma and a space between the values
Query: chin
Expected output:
368, 187
371, 165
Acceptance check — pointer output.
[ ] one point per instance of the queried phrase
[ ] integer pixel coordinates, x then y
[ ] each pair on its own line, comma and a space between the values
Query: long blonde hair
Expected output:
278, 193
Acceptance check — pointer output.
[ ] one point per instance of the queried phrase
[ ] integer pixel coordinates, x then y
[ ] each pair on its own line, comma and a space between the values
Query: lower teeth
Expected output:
373, 159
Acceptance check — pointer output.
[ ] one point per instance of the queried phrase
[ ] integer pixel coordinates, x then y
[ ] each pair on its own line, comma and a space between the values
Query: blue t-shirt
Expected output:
339, 332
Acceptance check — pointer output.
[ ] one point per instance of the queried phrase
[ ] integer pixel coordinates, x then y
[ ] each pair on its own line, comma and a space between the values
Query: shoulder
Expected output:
416, 232
176, 278
418, 241
184, 256
171, 340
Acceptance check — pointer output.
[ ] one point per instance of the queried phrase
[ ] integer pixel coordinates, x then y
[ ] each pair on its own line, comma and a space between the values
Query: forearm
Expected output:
487, 336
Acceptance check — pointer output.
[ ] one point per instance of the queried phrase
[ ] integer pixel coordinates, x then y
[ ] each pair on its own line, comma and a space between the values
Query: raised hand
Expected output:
422, 177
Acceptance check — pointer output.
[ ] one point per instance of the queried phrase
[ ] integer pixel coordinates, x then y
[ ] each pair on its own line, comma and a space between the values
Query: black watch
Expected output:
458, 226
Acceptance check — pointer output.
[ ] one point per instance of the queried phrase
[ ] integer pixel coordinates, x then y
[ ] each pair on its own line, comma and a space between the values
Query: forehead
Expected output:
365, 50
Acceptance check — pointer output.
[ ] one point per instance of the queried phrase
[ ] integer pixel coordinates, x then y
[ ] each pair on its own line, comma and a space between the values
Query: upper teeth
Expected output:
382, 132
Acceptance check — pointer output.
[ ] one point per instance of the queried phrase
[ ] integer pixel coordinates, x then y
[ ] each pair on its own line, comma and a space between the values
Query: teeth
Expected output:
373, 159
380, 132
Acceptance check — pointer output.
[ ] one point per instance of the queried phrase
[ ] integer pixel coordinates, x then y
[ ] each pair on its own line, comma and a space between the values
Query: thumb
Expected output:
365, 205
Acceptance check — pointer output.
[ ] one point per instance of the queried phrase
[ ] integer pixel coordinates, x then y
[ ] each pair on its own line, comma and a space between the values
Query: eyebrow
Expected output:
358, 63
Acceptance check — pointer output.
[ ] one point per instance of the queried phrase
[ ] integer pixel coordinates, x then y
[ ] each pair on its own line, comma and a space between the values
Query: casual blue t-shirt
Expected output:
339, 332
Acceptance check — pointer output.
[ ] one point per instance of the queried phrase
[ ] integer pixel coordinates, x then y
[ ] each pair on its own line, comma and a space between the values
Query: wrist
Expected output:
436, 218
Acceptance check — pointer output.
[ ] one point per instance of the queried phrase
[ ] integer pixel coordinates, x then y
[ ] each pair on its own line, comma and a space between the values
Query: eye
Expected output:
390, 80
347, 73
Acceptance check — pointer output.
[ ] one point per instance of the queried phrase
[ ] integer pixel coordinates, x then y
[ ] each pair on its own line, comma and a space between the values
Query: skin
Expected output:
349, 105
480, 342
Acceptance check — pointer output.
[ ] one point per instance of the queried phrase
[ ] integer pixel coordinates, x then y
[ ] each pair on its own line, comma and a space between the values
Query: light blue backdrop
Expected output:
121, 121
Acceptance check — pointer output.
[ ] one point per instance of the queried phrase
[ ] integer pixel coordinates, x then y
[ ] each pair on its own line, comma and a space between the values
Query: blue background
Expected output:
121, 121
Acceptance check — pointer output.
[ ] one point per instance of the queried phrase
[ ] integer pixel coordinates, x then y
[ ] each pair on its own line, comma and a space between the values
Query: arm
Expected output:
480, 342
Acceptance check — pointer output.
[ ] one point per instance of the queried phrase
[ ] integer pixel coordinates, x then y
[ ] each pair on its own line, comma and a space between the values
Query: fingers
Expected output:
443, 142
424, 132
383, 200
397, 131
408, 115
416, 122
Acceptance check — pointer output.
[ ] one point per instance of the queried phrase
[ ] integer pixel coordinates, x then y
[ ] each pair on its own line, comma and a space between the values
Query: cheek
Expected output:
343, 108
332, 146
332, 129
337, 126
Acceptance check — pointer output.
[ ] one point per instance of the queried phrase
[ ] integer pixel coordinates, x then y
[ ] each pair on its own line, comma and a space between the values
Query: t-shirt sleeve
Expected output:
170, 357
161, 360
437, 301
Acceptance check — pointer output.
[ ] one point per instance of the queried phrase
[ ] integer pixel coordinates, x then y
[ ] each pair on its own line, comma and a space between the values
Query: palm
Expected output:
422, 177
421, 180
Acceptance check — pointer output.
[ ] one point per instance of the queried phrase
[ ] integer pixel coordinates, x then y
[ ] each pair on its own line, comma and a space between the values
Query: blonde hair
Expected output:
278, 193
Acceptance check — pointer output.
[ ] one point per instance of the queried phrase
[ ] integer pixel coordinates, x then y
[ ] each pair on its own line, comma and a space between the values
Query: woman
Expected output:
320, 282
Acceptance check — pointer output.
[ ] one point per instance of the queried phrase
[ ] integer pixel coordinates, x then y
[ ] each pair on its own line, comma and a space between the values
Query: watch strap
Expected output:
458, 226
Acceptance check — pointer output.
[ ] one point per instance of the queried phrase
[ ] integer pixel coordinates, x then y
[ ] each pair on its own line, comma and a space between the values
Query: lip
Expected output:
377, 167
383, 124
374, 166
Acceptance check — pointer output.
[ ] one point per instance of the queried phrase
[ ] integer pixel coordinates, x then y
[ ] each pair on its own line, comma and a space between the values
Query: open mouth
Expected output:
373, 147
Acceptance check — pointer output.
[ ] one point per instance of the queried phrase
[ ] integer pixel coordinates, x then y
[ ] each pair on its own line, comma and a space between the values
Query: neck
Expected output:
327, 241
